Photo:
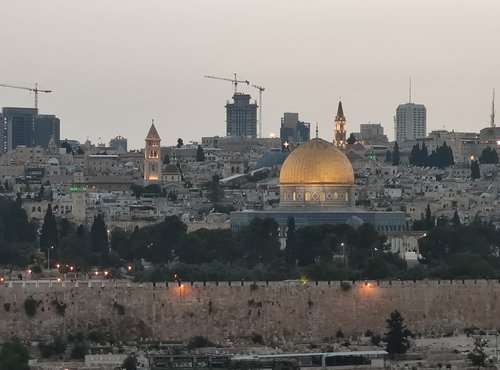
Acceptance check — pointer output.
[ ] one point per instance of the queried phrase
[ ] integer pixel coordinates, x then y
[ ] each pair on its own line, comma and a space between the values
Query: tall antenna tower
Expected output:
492, 115
409, 92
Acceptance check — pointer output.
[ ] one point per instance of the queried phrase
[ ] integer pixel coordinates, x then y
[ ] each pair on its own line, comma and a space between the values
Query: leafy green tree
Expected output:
456, 219
469, 266
488, 156
41, 194
99, 235
388, 157
260, 241
475, 173
214, 191
180, 143
429, 219
291, 248
376, 268
205, 246
397, 335
200, 154
166, 159
351, 139
49, 235
395, 154
67, 146
14, 356
137, 190
130, 363
478, 355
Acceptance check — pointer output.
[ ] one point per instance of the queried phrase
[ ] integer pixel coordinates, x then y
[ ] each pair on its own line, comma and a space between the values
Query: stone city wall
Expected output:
223, 311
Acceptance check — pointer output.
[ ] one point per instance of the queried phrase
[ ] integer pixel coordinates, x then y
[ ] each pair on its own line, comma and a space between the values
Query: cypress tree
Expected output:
474, 170
49, 234
456, 219
200, 154
397, 335
99, 234
395, 154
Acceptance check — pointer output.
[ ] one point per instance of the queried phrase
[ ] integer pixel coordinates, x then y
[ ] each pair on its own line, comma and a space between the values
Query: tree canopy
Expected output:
397, 335
14, 356
488, 156
441, 157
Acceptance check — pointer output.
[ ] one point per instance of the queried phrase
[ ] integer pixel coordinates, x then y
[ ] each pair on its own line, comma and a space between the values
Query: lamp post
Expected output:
48, 258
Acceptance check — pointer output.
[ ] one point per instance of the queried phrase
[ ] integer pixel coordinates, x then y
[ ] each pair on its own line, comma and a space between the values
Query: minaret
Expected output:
340, 133
152, 160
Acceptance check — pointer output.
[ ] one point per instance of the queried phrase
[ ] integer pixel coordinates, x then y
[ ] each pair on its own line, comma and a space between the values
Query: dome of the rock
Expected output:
317, 173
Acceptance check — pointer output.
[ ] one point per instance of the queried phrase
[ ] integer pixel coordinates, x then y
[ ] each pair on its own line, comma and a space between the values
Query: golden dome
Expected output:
317, 162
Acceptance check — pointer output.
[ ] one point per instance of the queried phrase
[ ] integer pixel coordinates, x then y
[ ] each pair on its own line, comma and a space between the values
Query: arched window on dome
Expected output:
346, 196
308, 196
322, 196
294, 196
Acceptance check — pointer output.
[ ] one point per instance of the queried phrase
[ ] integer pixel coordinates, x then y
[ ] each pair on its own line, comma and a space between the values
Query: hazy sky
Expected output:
113, 65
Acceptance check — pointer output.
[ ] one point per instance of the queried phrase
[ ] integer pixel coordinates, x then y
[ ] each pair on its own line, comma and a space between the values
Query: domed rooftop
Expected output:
317, 162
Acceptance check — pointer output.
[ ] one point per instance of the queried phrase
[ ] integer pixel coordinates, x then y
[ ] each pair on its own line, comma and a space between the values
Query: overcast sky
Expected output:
113, 65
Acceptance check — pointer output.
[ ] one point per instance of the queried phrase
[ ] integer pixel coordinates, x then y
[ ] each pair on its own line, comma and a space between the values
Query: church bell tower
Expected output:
152, 160
340, 133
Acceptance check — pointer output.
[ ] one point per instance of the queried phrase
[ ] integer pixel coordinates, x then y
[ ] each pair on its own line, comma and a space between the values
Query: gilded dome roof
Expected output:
316, 162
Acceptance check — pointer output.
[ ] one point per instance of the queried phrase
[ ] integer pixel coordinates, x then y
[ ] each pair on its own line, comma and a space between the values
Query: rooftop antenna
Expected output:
410, 92
316, 130
492, 115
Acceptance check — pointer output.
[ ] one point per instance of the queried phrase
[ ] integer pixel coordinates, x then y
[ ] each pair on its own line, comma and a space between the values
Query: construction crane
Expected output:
36, 90
261, 89
234, 80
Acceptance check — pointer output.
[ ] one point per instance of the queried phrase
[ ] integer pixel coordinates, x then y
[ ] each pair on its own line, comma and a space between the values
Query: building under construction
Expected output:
241, 116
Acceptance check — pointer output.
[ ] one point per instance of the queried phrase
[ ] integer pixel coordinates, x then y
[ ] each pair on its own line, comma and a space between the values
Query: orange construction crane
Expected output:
35, 89
234, 80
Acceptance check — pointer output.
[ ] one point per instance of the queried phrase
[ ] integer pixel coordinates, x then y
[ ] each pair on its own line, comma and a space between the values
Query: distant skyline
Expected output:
114, 65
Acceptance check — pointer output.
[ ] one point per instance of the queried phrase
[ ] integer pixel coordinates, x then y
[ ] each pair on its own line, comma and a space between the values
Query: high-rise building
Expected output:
241, 116
292, 130
47, 126
152, 160
371, 133
119, 143
340, 140
25, 127
411, 122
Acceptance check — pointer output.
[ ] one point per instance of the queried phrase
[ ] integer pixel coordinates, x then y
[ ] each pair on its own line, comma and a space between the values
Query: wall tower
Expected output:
340, 133
152, 160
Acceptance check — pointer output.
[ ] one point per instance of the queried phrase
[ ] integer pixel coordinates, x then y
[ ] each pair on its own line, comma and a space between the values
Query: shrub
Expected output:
54, 347
376, 339
340, 334
79, 351
345, 286
30, 305
60, 307
120, 308
199, 341
257, 339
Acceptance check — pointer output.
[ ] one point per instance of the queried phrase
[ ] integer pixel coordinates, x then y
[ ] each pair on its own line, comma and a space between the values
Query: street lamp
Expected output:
48, 258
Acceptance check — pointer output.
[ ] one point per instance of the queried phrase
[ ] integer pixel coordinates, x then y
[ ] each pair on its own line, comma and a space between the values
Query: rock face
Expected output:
225, 311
